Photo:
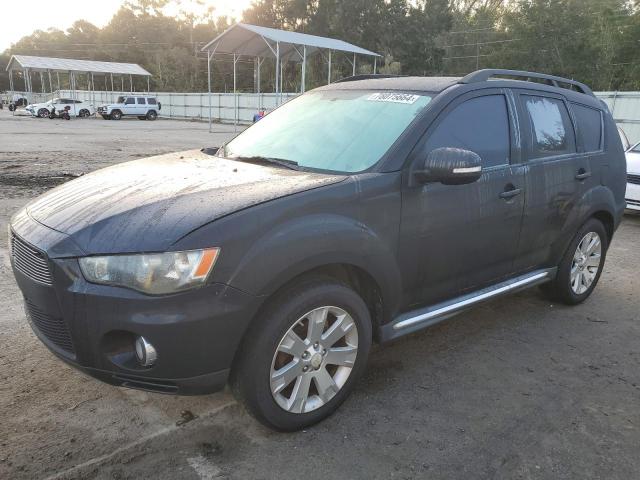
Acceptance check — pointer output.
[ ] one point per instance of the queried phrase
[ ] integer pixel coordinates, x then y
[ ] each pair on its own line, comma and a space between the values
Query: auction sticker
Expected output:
393, 97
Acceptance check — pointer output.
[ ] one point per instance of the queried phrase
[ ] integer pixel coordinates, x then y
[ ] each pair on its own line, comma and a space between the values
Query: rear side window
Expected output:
141, 101
481, 125
151, 101
551, 129
590, 126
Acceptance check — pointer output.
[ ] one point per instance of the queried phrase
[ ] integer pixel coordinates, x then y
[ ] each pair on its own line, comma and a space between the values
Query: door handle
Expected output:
582, 174
507, 194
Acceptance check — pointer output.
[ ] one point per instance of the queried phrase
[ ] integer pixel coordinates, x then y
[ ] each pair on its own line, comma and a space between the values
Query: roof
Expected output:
68, 64
416, 84
251, 40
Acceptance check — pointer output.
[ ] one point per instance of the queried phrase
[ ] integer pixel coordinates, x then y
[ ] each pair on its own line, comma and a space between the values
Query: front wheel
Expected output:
116, 115
84, 113
43, 113
303, 355
582, 264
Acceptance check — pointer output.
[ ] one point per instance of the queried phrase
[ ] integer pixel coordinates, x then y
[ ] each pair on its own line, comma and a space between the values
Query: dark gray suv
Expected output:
358, 212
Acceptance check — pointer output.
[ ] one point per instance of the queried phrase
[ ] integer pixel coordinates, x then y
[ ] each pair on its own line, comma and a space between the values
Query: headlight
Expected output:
153, 273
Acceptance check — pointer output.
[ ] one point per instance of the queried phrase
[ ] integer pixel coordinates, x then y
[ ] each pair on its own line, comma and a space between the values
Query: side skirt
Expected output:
415, 320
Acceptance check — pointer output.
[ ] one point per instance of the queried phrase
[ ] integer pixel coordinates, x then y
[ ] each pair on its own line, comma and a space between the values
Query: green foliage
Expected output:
595, 41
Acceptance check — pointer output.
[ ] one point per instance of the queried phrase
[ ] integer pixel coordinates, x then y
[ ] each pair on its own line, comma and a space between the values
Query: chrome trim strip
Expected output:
467, 169
469, 301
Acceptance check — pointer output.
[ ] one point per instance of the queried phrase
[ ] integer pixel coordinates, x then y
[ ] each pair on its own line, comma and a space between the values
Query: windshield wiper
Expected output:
290, 164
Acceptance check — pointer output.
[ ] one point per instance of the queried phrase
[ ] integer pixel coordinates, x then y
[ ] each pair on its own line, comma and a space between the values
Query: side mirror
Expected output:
450, 166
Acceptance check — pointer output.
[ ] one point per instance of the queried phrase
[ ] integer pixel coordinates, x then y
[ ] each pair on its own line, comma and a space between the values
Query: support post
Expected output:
50, 82
58, 81
111, 82
375, 62
304, 67
354, 64
131, 83
277, 71
148, 85
235, 93
209, 85
93, 89
41, 82
329, 76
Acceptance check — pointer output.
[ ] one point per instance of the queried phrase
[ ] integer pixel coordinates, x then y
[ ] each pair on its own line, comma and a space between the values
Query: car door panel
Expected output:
456, 238
553, 184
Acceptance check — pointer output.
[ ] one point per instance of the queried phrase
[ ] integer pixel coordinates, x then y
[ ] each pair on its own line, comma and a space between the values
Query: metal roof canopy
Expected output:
43, 64
243, 39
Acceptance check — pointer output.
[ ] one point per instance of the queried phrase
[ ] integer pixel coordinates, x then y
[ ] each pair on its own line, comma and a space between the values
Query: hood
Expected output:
147, 205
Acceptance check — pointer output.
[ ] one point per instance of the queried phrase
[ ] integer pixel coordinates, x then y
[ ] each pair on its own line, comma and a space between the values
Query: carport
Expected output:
78, 72
260, 43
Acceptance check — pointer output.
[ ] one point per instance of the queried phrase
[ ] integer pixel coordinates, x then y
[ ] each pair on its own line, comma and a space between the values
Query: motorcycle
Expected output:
64, 114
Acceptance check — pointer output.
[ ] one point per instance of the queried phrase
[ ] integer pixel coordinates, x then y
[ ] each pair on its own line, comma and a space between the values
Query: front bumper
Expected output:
93, 327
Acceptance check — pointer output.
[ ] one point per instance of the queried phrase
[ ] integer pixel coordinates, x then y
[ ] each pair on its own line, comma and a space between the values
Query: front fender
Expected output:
313, 241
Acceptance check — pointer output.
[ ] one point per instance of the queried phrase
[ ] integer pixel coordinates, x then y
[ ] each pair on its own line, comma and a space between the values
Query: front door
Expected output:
457, 238
130, 106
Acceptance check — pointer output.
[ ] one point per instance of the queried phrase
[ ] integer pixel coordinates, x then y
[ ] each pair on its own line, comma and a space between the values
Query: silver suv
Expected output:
143, 107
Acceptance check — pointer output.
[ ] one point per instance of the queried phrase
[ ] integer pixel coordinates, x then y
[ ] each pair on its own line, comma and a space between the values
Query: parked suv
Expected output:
143, 107
360, 211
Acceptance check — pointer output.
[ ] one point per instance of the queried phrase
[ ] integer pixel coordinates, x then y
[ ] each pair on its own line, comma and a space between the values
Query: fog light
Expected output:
145, 352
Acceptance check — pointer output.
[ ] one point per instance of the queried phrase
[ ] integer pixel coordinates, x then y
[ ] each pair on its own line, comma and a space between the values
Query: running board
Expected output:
425, 317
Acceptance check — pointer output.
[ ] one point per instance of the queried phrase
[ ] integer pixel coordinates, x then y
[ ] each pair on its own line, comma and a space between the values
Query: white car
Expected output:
633, 178
142, 106
78, 108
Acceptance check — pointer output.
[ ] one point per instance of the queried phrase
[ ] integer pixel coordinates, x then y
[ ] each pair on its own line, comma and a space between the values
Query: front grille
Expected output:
635, 179
54, 329
29, 260
635, 203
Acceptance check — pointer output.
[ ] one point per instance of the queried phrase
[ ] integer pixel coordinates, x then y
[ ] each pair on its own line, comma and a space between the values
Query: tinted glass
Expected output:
481, 125
337, 130
151, 101
130, 101
120, 100
141, 101
551, 129
590, 126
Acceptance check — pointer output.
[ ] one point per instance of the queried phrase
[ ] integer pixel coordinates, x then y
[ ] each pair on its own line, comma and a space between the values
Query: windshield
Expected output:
635, 148
120, 100
337, 130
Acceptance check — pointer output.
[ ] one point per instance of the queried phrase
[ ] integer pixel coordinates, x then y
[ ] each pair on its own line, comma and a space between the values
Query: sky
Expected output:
22, 17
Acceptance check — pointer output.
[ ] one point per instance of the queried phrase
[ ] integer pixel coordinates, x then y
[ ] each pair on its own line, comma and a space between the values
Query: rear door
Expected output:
141, 106
556, 174
457, 238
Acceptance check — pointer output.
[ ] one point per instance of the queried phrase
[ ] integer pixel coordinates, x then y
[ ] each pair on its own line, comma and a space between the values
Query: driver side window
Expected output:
480, 124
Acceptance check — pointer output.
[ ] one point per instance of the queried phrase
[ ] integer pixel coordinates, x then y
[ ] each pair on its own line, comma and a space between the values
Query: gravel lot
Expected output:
517, 388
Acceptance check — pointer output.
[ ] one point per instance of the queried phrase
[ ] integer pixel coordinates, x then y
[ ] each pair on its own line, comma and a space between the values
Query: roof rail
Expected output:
366, 76
487, 74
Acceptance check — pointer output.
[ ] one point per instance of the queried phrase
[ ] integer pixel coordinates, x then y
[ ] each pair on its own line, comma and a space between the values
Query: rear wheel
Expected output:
43, 113
303, 355
582, 264
152, 115
116, 115
84, 113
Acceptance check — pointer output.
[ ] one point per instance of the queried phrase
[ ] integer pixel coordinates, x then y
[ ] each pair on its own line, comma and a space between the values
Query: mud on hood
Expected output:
149, 204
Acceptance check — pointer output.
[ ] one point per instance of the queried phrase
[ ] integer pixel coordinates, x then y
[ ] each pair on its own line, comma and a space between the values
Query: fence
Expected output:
625, 106
186, 105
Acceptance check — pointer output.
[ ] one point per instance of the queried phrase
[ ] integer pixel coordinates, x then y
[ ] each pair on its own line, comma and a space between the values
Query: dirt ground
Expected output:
517, 388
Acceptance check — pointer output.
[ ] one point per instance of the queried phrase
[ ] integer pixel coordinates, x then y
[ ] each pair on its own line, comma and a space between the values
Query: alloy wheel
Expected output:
314, 359
586, 263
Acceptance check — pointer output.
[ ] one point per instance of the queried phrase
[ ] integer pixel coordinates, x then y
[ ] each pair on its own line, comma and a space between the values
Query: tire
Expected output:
43, 113
141, 117
152, 115
12, 107
84, 113
116, 115
574, 289
262, 355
